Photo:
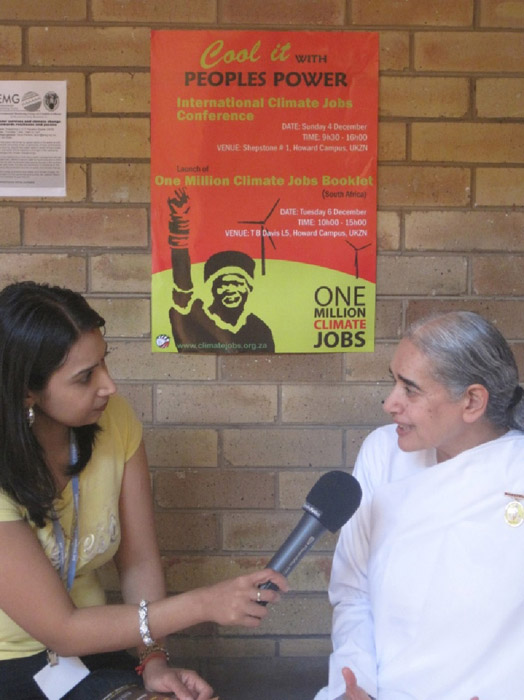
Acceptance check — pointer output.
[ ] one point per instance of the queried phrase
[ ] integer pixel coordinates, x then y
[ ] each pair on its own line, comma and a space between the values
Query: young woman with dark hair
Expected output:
75, 493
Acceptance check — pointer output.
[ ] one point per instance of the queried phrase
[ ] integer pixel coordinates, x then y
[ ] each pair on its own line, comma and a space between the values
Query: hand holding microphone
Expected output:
331, 502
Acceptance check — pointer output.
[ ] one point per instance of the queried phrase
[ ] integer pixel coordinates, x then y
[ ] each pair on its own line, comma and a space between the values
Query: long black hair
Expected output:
38, 325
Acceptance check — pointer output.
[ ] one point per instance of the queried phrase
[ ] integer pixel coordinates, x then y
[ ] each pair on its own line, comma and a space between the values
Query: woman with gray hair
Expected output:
426, 579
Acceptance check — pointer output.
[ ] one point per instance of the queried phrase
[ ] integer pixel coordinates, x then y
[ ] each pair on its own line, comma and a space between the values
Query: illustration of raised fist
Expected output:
179, 219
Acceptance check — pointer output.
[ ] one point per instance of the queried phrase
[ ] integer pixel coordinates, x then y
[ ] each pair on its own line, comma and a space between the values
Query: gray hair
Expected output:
464, 349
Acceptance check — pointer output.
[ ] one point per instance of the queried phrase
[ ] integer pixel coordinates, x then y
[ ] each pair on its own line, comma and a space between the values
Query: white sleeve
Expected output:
353, 632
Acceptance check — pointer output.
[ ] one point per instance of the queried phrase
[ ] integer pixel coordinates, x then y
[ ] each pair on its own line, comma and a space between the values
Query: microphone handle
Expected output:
297, 544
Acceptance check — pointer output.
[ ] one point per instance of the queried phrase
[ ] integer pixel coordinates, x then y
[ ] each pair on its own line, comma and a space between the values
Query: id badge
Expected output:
57, 679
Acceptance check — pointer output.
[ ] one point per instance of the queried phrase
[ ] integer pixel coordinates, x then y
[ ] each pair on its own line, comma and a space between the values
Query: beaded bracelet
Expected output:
143, 624
152, 652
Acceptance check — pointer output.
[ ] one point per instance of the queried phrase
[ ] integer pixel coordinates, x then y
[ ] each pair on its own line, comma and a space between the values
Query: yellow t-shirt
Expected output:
99, 524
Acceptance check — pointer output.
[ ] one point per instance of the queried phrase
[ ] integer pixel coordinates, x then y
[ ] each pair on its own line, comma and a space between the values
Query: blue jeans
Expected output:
108, 672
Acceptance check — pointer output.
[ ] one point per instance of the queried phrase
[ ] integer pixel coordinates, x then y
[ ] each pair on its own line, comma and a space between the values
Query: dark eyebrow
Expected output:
406, 381
92, 367
409, 382
86, 370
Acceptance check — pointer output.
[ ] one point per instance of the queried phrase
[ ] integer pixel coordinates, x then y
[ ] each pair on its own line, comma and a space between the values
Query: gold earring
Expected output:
30, 416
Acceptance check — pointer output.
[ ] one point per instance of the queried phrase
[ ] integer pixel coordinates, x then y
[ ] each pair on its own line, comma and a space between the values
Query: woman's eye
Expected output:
86, 377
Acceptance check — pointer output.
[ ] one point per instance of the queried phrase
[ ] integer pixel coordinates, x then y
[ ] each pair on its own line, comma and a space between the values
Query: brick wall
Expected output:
236, 442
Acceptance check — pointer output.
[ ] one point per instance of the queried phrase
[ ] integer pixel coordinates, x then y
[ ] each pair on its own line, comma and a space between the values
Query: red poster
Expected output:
263, 190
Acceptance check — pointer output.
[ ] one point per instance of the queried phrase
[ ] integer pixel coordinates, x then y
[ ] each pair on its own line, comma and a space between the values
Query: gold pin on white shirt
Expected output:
514, 514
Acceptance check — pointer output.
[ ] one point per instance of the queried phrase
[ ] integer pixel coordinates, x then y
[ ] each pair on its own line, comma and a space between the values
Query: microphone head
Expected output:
333, 499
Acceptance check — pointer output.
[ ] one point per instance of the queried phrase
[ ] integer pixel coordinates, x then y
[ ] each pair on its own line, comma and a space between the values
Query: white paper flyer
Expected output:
32, 138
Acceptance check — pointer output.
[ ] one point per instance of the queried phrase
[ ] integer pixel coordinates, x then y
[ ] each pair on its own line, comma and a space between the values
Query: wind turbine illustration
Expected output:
263, 232
357, 251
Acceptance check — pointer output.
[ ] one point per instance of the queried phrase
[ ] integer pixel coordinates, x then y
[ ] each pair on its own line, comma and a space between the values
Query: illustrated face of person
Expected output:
425, 413
78, 391
231, 290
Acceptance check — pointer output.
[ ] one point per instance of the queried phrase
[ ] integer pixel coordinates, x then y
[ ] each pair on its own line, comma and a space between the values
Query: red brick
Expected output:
388, 322
139, 396
256, 12
85, 227
421, 275
465, 231
498, 275
274, 447
354, 405
198, 648
108, 137
316, 647
469, 52
63, 269
502, 13
500, 97
120, 182
186, 531
369, 366
89, 46
423, 97
131, 317
179, 447
120, 272
468, 142
214, 489
27, 10
120, 92
502, 187
393, 50
10, 46
281, 368
180, 11
354, 439
423, 186
448, 13
388, 230
391, 141
124, 318
246, 403
506, 314
9, 226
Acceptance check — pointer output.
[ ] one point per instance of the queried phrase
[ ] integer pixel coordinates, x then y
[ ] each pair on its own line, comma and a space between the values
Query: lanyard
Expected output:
60, 539
52, 656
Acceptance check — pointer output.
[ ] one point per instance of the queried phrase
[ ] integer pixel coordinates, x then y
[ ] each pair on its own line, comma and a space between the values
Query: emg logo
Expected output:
13, 99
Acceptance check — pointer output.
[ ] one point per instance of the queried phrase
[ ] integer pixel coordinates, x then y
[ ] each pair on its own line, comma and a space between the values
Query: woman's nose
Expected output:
107, 386
389, 402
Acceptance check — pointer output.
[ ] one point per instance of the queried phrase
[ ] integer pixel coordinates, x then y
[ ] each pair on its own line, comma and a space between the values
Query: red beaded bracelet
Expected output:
145, 656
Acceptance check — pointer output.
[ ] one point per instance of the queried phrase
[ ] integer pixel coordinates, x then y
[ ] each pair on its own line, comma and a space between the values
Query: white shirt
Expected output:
428, 577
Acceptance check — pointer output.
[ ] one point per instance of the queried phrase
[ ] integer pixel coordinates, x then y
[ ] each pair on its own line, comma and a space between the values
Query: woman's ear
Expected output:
476, 402
30, 399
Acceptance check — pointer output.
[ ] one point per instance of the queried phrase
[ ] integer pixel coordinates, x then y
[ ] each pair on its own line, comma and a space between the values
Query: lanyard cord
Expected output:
60, 539
52, 656
58, 530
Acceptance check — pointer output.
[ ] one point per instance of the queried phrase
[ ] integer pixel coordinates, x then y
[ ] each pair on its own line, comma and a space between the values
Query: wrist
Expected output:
178, 232
203, 604
152, 655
